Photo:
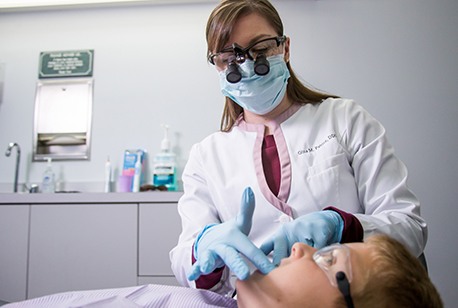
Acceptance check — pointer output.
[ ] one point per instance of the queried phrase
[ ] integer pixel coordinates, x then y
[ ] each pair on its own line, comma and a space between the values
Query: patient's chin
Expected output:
258, 292
246, 293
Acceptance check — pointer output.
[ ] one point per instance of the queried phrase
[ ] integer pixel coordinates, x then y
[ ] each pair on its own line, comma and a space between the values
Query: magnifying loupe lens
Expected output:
261, 66
233, 74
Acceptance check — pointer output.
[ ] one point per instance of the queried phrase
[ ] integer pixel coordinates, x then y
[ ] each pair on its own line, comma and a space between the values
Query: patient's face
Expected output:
299, 281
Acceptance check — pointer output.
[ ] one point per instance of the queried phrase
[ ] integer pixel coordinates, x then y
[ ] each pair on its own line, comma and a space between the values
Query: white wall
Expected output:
150, 68
396, 58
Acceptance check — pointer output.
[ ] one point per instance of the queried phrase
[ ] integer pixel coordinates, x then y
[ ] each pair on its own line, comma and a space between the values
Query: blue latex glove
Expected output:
317, 229
221, 244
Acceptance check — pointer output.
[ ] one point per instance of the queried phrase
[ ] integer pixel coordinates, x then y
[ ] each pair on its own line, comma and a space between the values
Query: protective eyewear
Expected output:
335, 262
230, 57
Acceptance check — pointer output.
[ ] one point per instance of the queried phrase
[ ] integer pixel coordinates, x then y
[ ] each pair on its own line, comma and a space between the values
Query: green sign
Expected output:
73, 63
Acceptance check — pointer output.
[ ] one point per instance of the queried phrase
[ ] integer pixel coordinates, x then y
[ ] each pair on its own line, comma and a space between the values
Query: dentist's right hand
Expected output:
221, 244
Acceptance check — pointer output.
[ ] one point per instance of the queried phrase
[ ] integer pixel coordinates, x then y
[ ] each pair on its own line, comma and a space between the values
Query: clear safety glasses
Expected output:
335, 262
266, 47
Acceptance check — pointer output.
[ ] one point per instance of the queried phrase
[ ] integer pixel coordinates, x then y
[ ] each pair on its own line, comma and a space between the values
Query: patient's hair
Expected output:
395, 279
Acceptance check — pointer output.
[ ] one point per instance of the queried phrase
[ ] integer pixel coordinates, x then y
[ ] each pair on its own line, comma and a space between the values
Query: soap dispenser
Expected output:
48, 184
164, 169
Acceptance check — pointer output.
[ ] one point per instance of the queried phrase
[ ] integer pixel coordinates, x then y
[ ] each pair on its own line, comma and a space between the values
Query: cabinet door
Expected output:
159, 228
82, 246
14, 230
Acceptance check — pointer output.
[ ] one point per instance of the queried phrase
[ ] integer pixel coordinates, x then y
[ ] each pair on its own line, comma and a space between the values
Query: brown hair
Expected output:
219, 28
395, 278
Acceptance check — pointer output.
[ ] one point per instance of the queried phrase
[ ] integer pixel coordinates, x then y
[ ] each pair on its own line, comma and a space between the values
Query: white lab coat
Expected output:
331, 154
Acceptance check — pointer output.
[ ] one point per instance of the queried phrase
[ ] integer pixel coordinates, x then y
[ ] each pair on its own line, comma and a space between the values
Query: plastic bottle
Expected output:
48, 184
108, 175
138, 173
164, 170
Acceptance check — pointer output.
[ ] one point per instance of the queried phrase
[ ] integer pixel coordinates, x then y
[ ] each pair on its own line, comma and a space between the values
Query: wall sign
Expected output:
72, 63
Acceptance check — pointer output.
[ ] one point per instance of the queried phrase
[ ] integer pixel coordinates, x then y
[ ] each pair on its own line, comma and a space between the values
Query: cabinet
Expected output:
14, 230
159, 229
81, 247
51, 243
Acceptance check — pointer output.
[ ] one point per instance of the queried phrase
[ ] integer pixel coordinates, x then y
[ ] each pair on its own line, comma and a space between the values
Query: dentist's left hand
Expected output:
317, 229
221, 244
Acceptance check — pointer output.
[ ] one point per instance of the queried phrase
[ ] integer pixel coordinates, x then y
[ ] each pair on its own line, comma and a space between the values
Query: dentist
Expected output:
320, 166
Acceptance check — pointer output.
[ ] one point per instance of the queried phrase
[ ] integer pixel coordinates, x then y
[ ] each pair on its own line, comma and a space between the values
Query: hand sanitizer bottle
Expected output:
48, 184
164, 170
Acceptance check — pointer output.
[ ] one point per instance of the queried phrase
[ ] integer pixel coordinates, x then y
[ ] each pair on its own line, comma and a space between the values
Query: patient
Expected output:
377, 273
380, 271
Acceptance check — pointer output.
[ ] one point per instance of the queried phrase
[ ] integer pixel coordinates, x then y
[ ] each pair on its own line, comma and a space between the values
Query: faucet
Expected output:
11, 145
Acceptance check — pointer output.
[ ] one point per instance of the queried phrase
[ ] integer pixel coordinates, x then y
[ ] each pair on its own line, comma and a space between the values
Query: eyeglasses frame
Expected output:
341, 278
240, 52
344, 287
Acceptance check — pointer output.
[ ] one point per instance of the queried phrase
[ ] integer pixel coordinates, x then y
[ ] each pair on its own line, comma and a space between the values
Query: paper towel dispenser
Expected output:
63, 118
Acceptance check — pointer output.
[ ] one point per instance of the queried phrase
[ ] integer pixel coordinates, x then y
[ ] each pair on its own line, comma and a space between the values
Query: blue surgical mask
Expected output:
258, 94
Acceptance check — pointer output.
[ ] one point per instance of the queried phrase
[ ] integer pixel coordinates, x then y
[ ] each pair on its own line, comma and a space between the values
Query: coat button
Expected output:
284, 218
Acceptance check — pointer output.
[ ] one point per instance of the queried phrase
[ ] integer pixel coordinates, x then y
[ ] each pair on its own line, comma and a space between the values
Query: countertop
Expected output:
93, 197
